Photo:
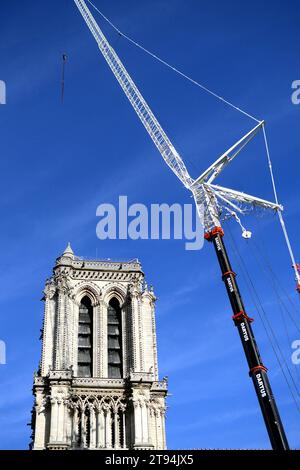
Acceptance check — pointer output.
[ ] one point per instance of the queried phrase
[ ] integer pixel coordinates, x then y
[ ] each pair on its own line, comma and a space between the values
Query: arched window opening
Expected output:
85, 338
114, 332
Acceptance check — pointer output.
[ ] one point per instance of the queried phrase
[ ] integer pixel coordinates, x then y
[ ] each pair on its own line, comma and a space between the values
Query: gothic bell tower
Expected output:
97, 386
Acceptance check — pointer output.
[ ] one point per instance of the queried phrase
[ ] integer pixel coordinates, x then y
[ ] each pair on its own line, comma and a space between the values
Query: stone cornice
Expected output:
161, 385
98, 382
103, 265
140, 377
60, 375
105, 275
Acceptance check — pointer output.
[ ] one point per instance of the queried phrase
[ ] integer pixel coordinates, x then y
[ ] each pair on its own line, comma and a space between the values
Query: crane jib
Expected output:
142, 109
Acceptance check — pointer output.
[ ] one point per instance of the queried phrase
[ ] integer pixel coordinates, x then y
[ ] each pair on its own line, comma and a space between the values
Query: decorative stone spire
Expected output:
68, 252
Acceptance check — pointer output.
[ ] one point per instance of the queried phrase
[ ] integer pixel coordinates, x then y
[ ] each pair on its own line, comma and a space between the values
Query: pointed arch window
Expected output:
114, 339
85, 338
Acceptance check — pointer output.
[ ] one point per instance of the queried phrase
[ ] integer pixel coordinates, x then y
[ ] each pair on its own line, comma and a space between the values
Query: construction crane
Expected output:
211, 201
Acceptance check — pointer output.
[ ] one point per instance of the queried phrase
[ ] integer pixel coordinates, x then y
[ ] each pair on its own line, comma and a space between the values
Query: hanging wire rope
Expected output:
65, 45
64, 61
283, 308
279, 284
281, 219
286, 294
154, 56
265, 263
227, 102
289, 341
265, 322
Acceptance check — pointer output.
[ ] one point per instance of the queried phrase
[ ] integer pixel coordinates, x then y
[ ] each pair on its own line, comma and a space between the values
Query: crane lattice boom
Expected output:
157, 134
203, 192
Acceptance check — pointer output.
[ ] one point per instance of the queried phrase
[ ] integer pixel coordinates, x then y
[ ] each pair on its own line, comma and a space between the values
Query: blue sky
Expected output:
59, 162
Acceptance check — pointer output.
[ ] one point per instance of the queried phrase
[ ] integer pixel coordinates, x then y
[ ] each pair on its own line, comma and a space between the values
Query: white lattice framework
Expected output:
210, 199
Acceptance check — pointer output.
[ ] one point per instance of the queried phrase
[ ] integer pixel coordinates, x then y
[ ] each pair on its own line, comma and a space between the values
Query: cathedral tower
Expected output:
97, 386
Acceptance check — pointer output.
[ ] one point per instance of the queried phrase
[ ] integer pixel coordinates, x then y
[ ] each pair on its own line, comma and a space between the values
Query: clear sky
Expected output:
59, 162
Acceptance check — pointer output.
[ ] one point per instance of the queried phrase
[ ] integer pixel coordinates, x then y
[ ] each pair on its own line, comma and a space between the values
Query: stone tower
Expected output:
97, 386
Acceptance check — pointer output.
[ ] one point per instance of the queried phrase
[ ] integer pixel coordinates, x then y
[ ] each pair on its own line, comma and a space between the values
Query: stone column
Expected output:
137, 423
141, 423
163, 429
75, 337
75, 428
124, 328
147, 340
145, 423
48, 328
68, 424
103, 359
92, 428
59, 330
124, 428
54, 420
116, 430
157, 430
128, 345
83, 429
60, 421
100, 429
96, 340
40, 424
160, 429
154, 338
136, 336
67, 320
153, 431
108, 429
